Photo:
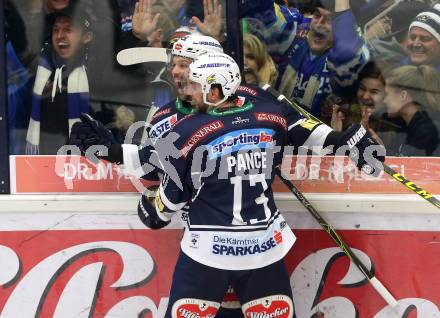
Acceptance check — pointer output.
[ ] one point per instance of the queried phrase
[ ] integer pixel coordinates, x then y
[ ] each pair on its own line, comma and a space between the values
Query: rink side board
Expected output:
108, 265
51, 174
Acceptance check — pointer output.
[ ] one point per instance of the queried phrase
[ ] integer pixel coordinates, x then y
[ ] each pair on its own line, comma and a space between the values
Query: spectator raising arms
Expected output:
61, 88
333, 49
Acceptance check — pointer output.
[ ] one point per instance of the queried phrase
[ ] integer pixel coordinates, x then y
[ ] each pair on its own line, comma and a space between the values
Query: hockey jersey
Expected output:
137, 161
224, 172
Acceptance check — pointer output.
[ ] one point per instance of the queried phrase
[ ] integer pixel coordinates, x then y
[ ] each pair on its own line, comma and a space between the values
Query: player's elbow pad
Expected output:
148, 214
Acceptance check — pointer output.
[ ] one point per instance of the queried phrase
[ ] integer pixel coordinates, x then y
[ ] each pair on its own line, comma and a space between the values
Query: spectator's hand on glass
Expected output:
144, 23
337, 118
155, 39
366, 113
212, 23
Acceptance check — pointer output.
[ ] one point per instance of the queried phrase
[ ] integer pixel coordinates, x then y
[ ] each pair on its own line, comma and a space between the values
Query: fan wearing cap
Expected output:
71, 33
424, 38
61, 88
35, 15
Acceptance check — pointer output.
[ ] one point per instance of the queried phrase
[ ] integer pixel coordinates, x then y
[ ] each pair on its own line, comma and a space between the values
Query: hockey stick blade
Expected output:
378, 286
387, 169
137, 55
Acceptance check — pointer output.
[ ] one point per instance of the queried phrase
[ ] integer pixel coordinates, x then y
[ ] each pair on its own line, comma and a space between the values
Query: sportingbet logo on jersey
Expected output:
231, 246
161, 127
240, 140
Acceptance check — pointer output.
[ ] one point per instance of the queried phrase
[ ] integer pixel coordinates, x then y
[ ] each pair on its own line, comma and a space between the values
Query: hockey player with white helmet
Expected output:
184, 51
90, 132
182, 54
234, 232
227, 75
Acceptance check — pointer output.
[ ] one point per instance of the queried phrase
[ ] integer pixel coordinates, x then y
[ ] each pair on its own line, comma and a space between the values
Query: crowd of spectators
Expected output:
347, 61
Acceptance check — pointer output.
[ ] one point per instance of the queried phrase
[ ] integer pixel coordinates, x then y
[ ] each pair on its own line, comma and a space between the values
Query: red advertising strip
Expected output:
42, 174
59, 174
340, 175
121, 273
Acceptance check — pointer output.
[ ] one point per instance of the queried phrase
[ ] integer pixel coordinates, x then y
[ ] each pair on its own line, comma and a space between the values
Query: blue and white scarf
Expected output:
77, 97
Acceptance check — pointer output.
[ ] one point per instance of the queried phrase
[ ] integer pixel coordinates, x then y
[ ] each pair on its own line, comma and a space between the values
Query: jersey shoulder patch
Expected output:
272, 118
185, 129
161, 112
162, 126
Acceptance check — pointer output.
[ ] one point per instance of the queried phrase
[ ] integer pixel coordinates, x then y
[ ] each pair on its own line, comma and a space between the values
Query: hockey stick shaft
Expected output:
378, 286
387, 169
138, 55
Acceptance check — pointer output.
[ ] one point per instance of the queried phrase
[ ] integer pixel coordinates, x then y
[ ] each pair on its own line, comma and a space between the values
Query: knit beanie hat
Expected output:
429, 21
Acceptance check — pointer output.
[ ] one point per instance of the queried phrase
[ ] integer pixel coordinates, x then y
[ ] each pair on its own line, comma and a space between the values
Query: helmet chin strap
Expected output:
206, 89
213, 104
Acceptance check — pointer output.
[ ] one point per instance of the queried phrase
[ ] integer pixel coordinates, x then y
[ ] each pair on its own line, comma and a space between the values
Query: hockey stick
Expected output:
387, 169
378, 286
138, 55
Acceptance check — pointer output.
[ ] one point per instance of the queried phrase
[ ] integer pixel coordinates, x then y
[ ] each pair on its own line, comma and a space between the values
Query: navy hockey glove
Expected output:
367, 154
90, 132
147, 211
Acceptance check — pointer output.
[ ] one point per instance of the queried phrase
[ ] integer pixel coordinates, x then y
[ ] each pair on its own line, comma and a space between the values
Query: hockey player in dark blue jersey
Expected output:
136, 159
234, 233
184, 51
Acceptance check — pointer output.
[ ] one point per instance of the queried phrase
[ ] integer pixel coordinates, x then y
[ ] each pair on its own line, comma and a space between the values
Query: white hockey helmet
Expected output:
192, 46
215, 68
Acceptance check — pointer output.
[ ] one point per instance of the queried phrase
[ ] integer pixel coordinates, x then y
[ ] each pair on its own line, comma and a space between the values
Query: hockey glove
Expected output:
147, 211
367, 154
90, 132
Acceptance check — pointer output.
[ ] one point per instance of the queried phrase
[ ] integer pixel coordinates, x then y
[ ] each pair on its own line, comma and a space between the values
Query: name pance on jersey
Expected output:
240, 139
247, 161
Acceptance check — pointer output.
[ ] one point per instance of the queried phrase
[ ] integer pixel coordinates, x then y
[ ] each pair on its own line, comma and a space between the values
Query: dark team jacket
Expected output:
139, 162
224, 171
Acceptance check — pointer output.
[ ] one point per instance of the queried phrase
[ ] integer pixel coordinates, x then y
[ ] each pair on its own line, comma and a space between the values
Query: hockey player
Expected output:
137, 159
234, 232
91, 132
